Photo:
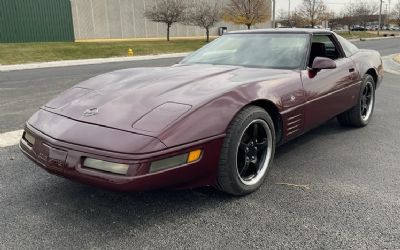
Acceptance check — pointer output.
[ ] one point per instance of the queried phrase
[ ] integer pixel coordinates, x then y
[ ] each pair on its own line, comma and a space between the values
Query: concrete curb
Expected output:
373, 38
66, 63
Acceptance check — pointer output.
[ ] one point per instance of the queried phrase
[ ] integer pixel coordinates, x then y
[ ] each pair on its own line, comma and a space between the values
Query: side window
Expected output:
348, 48
323, 46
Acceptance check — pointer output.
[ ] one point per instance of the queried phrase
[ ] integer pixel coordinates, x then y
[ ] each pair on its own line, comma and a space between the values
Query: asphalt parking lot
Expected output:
351, 198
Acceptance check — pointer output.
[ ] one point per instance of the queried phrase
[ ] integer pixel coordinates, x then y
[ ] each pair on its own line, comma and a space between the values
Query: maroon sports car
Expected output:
213, 119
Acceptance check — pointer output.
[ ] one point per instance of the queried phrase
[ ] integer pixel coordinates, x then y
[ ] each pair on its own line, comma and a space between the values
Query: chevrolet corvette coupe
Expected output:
214, 119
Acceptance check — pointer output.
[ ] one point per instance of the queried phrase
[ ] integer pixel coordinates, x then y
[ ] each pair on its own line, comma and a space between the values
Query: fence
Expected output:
66, 20
35, 21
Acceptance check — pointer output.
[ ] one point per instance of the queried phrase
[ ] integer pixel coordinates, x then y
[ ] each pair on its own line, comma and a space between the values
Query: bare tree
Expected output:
348, 17
168, 12
247, 12
283, 18
296, 20
364, 12
204, 15
396, 13
313, 11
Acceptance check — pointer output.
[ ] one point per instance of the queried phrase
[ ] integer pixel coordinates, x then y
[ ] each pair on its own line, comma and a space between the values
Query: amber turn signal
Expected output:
176, 161
194, 156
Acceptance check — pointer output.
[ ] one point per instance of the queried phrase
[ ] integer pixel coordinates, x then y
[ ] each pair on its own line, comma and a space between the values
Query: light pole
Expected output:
351, 17
290, 23
380, 17
389, 12
273, 13
386, 22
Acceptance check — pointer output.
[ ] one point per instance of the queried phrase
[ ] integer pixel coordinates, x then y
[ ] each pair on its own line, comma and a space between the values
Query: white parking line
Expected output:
10, 138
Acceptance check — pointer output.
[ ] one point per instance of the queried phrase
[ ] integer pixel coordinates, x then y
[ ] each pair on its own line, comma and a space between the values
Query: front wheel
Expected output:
247, 152
360, 115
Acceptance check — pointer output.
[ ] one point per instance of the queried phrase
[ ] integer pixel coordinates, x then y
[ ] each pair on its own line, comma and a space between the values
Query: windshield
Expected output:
281, 51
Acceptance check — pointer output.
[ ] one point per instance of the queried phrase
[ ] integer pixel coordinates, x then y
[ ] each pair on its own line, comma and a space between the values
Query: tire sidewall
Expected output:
366, 80
237, 128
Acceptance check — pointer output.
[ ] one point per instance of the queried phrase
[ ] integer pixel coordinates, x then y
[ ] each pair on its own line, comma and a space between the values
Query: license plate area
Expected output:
51, 157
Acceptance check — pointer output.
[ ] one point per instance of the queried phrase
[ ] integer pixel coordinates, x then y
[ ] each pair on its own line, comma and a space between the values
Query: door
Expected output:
329, 92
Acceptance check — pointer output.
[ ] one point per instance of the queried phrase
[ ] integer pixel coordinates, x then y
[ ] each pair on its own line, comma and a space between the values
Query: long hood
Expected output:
144, 100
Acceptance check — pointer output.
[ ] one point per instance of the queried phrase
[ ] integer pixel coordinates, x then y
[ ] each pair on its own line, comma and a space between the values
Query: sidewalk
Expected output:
65, 63
390, 65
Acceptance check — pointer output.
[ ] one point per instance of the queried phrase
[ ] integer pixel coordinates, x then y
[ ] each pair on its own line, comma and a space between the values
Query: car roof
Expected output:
283, 30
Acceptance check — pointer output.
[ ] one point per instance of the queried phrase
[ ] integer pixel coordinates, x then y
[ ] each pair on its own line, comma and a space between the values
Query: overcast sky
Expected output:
336, 6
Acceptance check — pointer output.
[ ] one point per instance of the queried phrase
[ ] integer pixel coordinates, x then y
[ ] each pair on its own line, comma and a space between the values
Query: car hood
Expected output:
146, 100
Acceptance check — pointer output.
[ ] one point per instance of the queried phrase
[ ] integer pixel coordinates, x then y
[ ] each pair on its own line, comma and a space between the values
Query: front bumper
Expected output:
66, 160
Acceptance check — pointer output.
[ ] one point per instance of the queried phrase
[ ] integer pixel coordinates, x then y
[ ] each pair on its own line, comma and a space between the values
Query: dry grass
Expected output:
17, 53
397, 58
357, 34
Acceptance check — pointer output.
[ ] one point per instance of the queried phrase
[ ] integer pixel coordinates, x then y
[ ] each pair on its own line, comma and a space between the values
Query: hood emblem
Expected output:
91, 112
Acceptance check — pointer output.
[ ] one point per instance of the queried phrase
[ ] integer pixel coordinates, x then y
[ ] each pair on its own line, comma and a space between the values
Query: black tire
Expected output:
229, 180
356, 116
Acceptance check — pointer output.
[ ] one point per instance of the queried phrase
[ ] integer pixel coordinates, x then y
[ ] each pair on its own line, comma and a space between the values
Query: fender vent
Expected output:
294, 124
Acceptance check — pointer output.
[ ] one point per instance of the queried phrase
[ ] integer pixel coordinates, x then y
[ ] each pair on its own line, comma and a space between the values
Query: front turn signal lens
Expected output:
194, 156
176, 161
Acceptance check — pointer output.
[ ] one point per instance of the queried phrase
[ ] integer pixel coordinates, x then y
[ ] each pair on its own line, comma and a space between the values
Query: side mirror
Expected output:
323, 63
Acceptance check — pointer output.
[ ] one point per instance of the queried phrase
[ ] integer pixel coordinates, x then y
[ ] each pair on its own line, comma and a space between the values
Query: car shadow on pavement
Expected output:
331, 127
96, 212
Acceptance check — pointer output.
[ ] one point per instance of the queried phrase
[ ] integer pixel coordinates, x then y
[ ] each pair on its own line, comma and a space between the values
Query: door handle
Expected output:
351, 70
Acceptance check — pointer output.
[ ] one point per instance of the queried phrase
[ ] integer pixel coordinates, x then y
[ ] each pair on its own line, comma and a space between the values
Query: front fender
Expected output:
367, 61
214, 117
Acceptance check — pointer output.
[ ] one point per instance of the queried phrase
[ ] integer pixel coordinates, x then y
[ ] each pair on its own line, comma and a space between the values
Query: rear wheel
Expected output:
247, 152
360, 115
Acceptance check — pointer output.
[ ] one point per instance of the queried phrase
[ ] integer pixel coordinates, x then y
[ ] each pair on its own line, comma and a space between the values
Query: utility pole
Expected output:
351, 17
386, 22
380, 17
290, 23
389, 12
273, 14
